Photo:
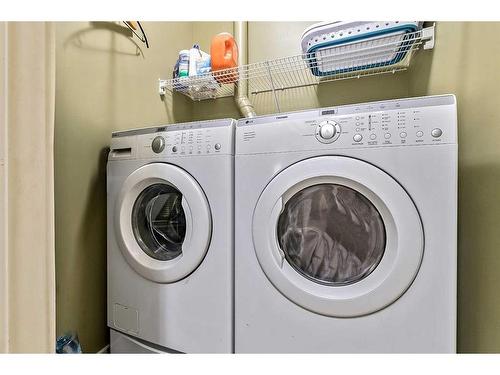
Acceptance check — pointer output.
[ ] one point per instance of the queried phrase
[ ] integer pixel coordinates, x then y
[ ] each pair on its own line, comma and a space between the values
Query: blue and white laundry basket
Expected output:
332, 48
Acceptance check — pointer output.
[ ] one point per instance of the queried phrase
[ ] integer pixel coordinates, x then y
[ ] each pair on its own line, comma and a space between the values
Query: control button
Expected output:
436, 133
174, 149
217, 146
387, 135
358, 129
403, 134
327, 131
373, 136
420, 133
357, 137
158, 144
208, 147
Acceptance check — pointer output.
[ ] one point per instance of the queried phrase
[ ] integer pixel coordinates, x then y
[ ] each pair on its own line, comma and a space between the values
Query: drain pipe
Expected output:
241, 87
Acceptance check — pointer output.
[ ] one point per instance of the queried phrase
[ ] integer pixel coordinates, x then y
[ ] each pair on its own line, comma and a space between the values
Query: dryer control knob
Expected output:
158, 144
327, 131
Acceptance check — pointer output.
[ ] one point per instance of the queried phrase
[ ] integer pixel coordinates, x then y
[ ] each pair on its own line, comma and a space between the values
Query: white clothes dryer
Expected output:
346, 229
170, 236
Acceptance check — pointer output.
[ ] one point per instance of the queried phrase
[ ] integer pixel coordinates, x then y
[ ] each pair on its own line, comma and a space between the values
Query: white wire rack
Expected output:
355, 60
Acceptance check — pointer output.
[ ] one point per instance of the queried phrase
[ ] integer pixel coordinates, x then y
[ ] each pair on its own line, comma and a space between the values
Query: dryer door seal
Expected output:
163, 223
338, 236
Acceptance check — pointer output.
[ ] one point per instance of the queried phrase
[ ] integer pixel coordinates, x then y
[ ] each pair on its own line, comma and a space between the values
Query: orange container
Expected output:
224, 58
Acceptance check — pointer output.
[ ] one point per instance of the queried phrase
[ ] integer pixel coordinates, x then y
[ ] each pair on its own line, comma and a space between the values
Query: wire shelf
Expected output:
385, 54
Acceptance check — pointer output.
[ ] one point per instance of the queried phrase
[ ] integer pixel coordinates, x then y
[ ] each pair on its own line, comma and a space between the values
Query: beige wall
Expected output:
104, 83
466, 62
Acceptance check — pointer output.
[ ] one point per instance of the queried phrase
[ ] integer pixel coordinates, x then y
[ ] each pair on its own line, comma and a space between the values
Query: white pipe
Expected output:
241, 88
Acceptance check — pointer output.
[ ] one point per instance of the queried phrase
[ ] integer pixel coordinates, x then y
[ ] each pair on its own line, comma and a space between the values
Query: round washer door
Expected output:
163, 222
337, 236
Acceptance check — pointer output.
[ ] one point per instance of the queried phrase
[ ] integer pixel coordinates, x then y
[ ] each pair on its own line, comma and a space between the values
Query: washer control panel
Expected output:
405, 122
189, 139
205, 141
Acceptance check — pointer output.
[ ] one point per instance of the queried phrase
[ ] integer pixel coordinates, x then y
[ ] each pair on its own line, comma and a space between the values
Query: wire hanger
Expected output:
132, 25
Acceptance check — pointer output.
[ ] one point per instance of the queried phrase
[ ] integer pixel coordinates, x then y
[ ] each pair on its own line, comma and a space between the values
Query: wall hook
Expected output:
132, 25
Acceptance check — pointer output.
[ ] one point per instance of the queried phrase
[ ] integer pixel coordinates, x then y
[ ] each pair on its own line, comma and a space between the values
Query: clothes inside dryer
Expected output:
331, 234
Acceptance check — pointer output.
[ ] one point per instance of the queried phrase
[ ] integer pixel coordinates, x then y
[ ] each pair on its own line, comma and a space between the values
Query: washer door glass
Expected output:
331, 234
159, 222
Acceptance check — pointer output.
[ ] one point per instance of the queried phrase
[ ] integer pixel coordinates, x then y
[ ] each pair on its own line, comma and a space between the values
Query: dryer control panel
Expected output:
188, 139
405, 122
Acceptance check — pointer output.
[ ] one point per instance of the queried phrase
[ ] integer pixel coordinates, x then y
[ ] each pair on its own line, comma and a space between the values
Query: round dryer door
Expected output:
164, 222
338, 236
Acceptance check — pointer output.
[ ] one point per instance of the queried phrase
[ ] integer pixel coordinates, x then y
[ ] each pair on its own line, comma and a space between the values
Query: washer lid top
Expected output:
337, 236
163, 222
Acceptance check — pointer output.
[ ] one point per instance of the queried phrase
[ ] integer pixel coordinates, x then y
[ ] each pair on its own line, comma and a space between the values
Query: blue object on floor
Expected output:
68, 344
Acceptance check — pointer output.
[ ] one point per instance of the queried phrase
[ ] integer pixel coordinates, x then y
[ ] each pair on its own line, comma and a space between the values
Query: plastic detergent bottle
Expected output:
224, 55
203, 63
183, 63
194, 56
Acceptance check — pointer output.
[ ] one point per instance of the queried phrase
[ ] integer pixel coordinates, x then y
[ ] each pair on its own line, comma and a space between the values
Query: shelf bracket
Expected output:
162, 87
428, 36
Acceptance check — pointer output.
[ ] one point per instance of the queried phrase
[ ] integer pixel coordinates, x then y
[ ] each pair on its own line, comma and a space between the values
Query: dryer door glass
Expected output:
331, 234
158, 221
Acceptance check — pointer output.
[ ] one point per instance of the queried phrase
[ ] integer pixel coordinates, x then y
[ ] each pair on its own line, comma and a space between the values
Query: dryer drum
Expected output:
331, 234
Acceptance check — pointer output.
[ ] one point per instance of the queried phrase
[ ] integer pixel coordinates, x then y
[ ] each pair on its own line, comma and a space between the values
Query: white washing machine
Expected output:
346, 226
170, 237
